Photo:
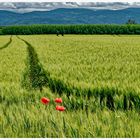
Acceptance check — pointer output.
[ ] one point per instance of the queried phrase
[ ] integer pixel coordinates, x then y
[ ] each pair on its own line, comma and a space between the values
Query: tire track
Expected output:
37, 77
7, 44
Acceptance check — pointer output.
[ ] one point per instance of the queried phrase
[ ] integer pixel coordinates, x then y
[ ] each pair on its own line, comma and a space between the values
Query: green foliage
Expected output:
1, 32
71, 29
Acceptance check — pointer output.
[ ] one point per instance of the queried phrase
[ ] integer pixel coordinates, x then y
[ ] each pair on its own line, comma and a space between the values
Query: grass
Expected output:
7, 44
12, 62
106, 60
82, 62
4, 40
103, 67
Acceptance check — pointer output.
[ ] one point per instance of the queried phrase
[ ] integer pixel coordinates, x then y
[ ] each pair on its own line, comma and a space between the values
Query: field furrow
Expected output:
4, 40
12, 62
7, 44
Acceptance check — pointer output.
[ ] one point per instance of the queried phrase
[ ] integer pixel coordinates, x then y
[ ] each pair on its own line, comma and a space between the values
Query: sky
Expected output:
23, 7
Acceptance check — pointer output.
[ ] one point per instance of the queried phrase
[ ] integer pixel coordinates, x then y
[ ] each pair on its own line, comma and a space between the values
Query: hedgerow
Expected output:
72, 29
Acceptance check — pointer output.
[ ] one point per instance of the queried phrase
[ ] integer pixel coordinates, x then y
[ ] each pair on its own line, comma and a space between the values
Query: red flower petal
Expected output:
60, 108
45, 100
58, 100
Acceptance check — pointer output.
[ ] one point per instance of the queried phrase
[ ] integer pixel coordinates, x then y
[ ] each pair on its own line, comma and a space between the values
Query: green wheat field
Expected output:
97, 76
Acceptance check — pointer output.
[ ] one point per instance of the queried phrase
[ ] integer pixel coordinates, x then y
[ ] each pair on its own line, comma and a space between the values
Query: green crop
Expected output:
96, 76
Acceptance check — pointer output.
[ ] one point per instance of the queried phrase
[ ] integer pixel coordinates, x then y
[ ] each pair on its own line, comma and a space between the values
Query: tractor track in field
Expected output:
7, 44
37, 77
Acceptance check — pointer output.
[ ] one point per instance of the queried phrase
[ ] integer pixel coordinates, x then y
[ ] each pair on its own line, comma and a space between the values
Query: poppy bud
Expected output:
60, 108
45, 100
58, 100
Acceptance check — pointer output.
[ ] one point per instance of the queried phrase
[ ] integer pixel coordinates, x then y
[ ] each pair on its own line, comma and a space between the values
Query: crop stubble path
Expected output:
7, 44
37, 77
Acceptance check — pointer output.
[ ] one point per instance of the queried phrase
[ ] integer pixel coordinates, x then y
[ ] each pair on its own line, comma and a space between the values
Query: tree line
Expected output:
72, 29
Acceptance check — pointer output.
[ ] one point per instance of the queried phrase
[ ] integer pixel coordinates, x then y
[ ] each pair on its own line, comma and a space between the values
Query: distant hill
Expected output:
70, 16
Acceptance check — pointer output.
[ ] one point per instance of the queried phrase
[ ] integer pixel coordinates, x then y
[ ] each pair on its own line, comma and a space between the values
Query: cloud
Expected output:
46, 6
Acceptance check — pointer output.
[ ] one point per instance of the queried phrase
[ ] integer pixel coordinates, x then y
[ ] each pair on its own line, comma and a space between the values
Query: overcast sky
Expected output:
46, 6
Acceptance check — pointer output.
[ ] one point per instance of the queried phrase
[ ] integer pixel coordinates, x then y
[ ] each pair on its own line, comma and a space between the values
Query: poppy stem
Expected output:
45, 107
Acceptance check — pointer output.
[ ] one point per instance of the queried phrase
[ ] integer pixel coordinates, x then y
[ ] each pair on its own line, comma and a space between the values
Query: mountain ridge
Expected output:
70, 16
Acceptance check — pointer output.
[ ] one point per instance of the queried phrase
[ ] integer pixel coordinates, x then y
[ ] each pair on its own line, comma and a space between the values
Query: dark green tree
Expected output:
131, 21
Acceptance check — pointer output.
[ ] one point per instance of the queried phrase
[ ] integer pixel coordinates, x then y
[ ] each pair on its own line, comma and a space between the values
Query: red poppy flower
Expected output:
45, 100
58, 100
60, 108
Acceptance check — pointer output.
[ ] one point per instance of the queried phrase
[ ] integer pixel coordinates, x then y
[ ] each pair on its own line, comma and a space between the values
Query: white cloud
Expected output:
45, 6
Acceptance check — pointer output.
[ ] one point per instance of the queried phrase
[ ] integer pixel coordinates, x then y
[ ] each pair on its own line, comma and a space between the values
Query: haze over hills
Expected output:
70, 16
